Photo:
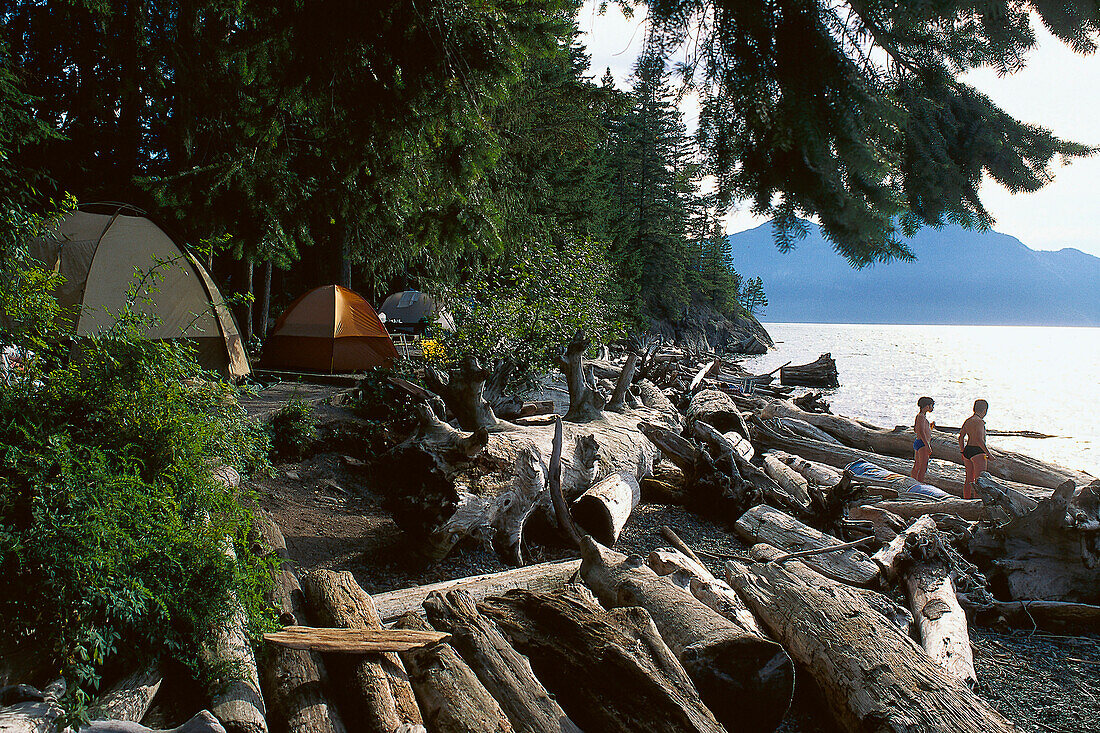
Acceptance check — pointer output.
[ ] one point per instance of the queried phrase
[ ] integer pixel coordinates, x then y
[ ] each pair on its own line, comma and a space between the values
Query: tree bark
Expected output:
377, 685
450, 695
765, 524
584, 403
596, 668
604, 509
506, 674
717, 410
547, 576
265, 299
295, 681
745, 680
626, 378
874, 678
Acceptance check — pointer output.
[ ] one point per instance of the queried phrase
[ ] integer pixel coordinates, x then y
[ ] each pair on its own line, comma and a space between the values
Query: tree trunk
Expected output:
717, 410
378, 686
940, 619
463, 392
874, 678
506, 674
745, 680
1050, 553
451, 697
265, 300
247, 306
765, 524
547, 576
130, 698
655, 399
604, 509
818, 373
626, 378
1003, 464
595, 668
816, 473
345, 261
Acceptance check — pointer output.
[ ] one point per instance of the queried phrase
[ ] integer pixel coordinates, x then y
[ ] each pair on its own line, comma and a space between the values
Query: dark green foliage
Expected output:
112, 529
753, 298
853, 112
291, 429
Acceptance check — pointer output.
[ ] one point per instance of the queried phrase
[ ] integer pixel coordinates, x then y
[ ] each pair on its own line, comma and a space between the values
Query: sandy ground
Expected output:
332, 518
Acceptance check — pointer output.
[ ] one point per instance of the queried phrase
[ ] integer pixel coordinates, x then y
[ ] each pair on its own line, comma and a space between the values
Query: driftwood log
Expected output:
602, 510
873, 677
969, 509
129, 698
714, 593
717, 410
1006, 465
504, 672
547, 576
451, 697
377, 686
1051, 553
747, 681
1056, 616
463, 391
295, 682
819, 373
605, 677
769, 525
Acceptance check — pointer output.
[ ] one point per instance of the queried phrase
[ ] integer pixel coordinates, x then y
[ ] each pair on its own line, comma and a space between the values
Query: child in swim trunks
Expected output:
922, 446
972, 445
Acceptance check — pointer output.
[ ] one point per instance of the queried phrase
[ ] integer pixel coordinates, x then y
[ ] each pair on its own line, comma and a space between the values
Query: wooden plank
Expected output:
353, 641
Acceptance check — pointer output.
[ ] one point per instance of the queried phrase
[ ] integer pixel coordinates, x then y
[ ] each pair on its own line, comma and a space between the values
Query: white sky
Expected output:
1059, 90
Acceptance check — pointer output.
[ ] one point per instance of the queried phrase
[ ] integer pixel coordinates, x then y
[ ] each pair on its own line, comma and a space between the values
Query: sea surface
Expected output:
1045, 379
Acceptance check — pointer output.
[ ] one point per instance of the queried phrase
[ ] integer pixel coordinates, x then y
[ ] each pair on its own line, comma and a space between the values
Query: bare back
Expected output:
972, 432
922, 428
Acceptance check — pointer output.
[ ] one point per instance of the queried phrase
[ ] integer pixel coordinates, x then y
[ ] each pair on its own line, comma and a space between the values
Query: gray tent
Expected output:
410, 311
99, 255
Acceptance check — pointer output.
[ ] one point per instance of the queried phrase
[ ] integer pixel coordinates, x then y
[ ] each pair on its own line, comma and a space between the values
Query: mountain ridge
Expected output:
959, 277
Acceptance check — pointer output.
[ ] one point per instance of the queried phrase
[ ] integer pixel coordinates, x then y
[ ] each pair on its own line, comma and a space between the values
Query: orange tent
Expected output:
329, 329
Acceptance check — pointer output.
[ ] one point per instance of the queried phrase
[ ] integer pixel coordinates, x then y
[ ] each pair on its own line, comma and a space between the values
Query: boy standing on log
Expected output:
922, 446
972, 444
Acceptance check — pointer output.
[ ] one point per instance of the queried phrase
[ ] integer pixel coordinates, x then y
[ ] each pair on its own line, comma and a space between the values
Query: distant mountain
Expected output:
959, 276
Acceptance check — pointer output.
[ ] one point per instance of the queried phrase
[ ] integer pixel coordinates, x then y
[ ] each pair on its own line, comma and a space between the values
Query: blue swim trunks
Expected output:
918, 444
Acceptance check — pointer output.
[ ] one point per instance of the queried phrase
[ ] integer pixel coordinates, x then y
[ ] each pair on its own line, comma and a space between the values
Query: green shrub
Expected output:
112, 529
291, 429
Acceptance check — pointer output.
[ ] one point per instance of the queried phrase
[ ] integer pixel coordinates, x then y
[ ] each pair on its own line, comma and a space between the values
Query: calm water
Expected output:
1034, 378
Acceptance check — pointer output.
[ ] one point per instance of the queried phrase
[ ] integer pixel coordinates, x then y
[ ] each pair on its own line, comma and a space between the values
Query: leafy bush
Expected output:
112, 530
291, 429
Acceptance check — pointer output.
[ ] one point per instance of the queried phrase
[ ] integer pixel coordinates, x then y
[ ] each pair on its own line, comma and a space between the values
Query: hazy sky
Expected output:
1059, 90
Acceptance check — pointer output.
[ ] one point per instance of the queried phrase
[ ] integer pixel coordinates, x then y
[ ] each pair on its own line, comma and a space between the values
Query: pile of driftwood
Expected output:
867, 588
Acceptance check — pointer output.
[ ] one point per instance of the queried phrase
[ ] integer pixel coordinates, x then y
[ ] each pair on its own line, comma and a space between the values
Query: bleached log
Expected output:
872, 676
351, 641
969, 509
377, 686
295, 682
796, 488
1051, 553
886, 525
817, 473
889, 557
745, 680
585, 403
599, 672
931, 592
547, 576
203, 722
730, 442
463, 391
763, 523
504, 672
617, 403
1003, 464
714, 593
603, 510
451, 697
717, 410
653, 398
944, 476
806, 430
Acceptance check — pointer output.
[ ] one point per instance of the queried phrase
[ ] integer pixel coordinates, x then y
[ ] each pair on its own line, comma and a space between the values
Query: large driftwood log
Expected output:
295, 682
816, 473
653, 398
203, 722
818, 373
451, 697
747, 681
491, 487
585, 403
944, 476
1052, 553
969, 509
717, 410
931, 592
892, 555
377, 685
598, 671
547, 576
602, 511
873, 677
1056, 616
1003, 464
505, 673
796, 489
714, 593
463, 391
617, 403
766, 524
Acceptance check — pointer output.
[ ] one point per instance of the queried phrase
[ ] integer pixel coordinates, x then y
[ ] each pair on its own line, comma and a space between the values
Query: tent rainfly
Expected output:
100, 255
410, 311
329, 329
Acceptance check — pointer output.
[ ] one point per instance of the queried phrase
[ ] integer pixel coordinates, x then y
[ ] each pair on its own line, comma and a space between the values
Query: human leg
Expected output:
980, 463
920, 463
968, 486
